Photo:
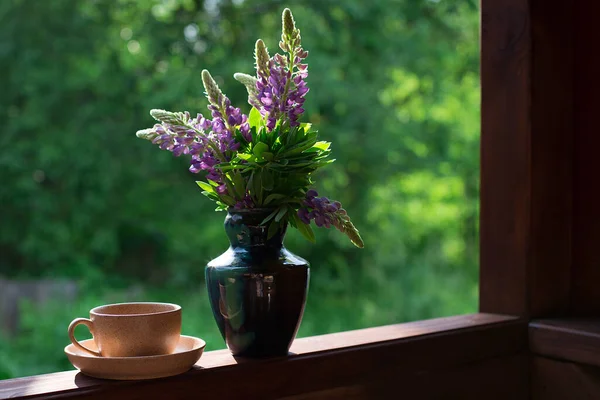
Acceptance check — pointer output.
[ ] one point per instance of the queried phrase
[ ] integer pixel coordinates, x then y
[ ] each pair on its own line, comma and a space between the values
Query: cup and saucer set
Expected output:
134, 341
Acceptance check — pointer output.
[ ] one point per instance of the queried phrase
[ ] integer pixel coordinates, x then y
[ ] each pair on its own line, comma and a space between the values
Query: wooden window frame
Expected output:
531, 183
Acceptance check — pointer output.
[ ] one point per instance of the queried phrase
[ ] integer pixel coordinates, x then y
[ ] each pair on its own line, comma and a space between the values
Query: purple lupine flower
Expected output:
222, 189
208, 141
246, 202
224, 126
245, 129
271, 91
200, 136
322, 210
275, 102
303, 215
298, 90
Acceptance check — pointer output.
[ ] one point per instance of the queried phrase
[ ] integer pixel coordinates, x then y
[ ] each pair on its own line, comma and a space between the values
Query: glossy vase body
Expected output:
257, 288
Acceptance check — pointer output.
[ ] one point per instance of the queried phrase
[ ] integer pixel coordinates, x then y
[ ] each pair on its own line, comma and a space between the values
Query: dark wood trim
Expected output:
505, 154
526, 156
352, 361
558, 380
575, 340
551, 159
496, 378
585, 298
538, 236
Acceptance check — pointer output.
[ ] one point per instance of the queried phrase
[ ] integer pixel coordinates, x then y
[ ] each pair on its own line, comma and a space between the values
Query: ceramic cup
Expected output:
132, 329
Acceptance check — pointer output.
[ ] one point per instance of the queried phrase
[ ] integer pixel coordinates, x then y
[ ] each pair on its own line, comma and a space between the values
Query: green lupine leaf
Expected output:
260, 148
245, 156
221, 206
230, 201
281, 213
322, 145
250, 187
263, 137
323, 163
300, 147
272, 197
257, 186
226, 168
291, 136
229, 186
267, 156
300, 135
240, 139
306, 126
238, 184
267, 180
254, 134
270, 216
304, 229
273, 229
211, 195
254, 118
205, 186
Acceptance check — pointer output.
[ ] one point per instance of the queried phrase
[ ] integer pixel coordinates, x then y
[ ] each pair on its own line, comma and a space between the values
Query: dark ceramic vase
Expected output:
257, 288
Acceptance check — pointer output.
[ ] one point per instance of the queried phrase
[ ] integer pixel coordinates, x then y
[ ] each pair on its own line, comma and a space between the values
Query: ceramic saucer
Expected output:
188, 351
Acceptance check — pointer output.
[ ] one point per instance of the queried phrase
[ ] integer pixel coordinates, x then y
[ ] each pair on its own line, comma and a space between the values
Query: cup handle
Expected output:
90, 326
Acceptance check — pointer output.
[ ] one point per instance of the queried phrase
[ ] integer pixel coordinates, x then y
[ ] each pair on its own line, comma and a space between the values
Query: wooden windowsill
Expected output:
575, 340
358, 360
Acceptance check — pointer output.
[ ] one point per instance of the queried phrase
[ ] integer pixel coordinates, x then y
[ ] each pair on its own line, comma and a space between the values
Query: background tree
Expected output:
394, 85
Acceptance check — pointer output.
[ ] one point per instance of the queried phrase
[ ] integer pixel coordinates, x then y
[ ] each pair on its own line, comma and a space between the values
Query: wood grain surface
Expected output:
355, 362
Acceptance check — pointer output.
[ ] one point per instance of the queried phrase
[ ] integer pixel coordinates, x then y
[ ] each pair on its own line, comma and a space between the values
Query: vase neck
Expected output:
244, 230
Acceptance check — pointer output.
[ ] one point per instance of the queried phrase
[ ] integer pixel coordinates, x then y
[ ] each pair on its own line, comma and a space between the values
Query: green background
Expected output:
394, 85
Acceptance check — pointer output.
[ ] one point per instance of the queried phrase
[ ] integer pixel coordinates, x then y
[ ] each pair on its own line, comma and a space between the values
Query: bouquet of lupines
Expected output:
265, 159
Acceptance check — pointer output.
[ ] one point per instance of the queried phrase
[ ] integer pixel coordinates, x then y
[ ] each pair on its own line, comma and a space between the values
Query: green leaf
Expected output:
283, 138
250, 188
229, 186
212, 196
273, 229
306, 126
267, 180
299, 148
239, 185
205, 186
267, 156
257, 186
230, 201
244, 156
221, 206
273, 196
270, 216
304, 229
281, 213
322, 145
254, 118
241, 139
260, 148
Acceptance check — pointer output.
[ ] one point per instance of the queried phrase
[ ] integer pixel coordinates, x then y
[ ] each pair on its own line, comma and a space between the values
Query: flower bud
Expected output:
287, 22
213, 93
262, 59
164, 116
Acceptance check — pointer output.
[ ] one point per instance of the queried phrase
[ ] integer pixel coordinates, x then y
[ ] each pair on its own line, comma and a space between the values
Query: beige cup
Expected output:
132, 329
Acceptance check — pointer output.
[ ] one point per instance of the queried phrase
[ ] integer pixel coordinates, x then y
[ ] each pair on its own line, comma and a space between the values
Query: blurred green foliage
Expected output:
394, 85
